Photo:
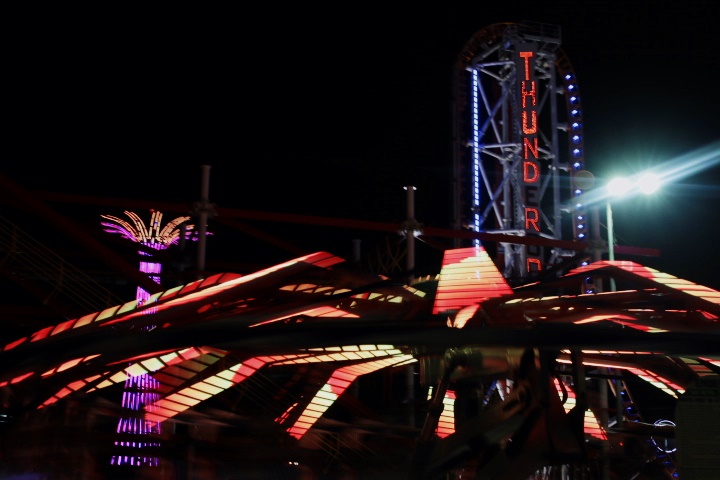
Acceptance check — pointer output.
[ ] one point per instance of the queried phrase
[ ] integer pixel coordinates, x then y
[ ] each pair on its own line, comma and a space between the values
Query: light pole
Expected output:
618, 187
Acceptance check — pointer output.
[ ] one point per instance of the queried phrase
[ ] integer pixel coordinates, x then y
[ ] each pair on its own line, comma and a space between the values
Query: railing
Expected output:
28, 260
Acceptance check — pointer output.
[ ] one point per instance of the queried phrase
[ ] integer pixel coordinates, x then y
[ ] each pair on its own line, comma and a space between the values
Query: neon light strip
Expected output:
446, 422
211, 285
591, 425
145, 367
668, 280
663, 384
467, 276
339, 381
190, 396
324, 312
344, 353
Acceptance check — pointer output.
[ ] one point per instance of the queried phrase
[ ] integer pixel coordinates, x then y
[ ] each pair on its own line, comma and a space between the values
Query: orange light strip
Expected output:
114, 311
325, 311
698, 368
142, 368
600, 317
462, 317
344, 353
70, 388
446, 422
591, 426
184, 293
663, 384
467, 276
190, 396
714, 362
657, 276
339, 381
315, 289
68, 364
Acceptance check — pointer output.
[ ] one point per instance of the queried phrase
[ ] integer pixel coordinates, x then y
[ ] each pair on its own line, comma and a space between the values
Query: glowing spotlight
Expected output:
619, 186
649, 183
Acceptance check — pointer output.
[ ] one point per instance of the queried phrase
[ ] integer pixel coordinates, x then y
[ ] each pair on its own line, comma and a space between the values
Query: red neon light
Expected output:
532, 221
526, 57
531, 172
532, 129
534, 265
525, 93
533, 147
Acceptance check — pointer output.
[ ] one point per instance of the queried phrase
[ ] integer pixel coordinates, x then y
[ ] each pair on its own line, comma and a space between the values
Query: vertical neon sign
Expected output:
531, 172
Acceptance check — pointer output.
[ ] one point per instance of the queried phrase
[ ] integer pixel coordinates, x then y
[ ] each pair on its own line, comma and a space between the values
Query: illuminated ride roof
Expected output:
210, 336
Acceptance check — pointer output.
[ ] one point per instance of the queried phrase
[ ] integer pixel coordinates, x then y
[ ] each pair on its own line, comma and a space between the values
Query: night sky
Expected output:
331, 112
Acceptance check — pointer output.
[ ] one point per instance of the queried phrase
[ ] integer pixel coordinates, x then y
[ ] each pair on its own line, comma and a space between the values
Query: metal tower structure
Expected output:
518, 144
137, 436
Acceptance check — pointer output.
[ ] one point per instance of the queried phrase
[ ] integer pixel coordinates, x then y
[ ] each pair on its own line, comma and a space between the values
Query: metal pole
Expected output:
203, 217
410, 234
611, 233
611, 241
410, 259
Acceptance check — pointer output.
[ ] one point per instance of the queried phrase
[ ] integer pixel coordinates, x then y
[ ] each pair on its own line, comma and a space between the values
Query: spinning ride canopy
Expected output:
317, 311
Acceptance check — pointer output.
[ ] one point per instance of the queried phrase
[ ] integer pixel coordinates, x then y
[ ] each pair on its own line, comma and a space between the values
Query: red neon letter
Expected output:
533, 128
532, 220
524, 93
532, 147
526, 56
536, 263
531, 172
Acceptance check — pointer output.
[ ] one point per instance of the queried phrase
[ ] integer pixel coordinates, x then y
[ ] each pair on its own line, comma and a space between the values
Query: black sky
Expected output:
332, 111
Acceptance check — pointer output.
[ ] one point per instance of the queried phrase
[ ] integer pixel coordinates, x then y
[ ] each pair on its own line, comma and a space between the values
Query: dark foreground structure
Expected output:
310, 369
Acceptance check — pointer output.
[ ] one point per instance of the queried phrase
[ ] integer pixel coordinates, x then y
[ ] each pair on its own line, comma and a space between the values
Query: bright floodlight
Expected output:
649, 183
618, 186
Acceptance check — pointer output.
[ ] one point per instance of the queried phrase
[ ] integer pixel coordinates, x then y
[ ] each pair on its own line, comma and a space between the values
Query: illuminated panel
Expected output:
698, 368
15, 343
663, 384
710, 360
40, 334
17, 379
446, 422
336, 386
188, 397
315, 289
321, 259
318, 312
70, 388
625, 320
68, 364
467, 276
591, 425
463, 316
344, 353
668, 280
211, 285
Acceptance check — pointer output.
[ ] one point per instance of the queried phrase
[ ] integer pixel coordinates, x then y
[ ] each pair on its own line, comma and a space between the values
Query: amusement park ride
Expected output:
513, 362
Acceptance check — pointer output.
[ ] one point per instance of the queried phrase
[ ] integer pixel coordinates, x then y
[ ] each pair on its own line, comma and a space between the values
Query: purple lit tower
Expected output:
141, 390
